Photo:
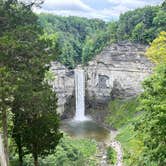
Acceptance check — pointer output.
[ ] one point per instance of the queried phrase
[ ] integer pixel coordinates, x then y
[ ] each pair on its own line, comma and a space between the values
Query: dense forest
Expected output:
80, 39
29, 122
141, 25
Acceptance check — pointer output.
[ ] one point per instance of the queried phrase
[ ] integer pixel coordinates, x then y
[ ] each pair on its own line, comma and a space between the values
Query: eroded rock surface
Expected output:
116, 72
63, 84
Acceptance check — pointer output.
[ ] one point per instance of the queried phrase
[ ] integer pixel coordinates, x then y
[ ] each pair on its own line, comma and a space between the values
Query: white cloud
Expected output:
75, 8
134, 3
78, 8
74, 5
105, 14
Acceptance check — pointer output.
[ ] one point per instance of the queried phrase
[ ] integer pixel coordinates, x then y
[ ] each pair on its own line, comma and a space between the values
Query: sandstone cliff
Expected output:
63, 84
116, 72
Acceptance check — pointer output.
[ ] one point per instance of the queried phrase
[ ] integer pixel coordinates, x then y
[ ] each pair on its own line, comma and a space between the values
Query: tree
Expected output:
138, 32
141, 25
160, 20
36, 126
157, 51
6, 97
94, 44
26, 53
152, 125
164, 5
112, 29
72, 35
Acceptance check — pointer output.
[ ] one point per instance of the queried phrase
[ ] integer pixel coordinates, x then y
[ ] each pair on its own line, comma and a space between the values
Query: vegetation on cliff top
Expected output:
80, 39
141, 25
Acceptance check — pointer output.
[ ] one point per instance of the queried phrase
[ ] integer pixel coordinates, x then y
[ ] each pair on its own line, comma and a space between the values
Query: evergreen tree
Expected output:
25, 54
6, 98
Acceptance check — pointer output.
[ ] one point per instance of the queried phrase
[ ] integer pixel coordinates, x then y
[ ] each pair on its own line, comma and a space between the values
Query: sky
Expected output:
102, 9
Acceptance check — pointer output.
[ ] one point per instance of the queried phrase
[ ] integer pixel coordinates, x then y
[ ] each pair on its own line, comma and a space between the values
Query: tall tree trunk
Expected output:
35, 160
5, 135
2, 155
20, 153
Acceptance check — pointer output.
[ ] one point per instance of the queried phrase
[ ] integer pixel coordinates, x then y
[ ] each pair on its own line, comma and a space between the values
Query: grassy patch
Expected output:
121, 112
123, 115
131, 143
111, 155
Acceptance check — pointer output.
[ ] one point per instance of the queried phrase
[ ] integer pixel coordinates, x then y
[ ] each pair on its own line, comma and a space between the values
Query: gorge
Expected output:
117, 72
81, 89
82, 126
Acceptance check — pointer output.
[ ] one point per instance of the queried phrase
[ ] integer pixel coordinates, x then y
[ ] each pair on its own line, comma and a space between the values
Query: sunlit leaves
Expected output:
157, 51
153, 102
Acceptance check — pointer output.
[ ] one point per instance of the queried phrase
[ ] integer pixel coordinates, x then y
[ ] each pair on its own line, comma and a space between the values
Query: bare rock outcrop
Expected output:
117, 71
63, 84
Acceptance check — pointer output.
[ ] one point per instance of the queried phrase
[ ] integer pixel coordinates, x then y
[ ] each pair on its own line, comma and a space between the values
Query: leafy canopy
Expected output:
152, 125
157, 51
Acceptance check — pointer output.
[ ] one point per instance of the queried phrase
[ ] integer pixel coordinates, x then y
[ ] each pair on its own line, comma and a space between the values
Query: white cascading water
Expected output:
2, 154
80, 95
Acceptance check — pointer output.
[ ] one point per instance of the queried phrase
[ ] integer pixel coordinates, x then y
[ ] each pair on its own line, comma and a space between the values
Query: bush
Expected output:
74, 152
111, 155
121, 112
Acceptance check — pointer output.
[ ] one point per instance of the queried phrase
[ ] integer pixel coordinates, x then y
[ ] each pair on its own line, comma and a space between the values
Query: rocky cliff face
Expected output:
116, 72
63, 84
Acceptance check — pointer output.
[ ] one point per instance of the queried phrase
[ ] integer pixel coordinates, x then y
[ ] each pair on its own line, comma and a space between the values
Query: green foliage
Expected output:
131, 142
93, 45
75, 36
6, 98
6, 89
25, 54
152, 125
49, 76
77, 152
121, 112
69, 151
137, 33
123, 115
36, 127
112, 29
141, 25
111, 155
157, 51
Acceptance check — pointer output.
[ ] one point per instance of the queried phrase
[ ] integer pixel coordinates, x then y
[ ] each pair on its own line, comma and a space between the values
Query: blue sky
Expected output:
103, 9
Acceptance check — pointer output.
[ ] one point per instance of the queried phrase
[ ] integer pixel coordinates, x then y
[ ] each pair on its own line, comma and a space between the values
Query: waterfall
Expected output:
2, 154
80, 95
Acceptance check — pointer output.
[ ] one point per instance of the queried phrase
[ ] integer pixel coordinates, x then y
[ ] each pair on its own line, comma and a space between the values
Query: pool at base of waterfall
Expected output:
82, 126
85, 129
